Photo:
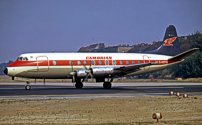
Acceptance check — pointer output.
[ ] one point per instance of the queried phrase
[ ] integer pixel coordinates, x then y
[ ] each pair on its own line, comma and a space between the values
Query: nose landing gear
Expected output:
27, 87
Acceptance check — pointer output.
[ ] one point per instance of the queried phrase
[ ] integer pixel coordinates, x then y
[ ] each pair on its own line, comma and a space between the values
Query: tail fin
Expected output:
170, 45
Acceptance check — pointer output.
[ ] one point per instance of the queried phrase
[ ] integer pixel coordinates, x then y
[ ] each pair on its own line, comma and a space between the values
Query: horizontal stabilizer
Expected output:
183, 55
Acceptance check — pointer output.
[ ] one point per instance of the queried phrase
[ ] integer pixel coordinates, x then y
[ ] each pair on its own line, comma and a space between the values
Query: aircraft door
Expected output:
42, 63
146, 60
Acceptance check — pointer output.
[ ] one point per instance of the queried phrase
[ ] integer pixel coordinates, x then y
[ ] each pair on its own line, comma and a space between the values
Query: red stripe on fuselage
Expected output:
75, 62
18, 63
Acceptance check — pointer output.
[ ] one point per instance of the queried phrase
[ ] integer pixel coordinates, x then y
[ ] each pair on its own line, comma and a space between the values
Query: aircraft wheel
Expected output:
107, 85
79, 85
27, 87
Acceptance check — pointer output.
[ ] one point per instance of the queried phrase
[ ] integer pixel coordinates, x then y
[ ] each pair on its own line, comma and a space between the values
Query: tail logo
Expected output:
169, 41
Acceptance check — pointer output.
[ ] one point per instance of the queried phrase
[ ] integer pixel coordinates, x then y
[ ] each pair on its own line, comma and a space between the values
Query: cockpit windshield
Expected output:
19, 58
22, 58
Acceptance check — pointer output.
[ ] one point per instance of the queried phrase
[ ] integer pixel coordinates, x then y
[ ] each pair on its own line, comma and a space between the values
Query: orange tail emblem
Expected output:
169, 41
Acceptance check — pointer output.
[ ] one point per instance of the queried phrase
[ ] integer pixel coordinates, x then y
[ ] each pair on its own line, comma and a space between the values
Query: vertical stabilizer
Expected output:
170, 45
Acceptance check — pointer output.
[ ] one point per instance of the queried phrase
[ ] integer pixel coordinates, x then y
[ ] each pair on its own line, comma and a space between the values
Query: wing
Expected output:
133, 68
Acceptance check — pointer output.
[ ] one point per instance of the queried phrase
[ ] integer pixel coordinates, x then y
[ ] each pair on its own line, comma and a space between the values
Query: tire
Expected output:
107, 85
27, 87
79, 85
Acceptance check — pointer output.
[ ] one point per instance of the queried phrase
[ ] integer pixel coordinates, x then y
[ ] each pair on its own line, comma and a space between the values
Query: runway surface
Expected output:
67, 90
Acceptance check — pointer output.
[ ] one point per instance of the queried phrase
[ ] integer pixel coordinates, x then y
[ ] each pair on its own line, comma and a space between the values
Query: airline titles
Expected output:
98, 57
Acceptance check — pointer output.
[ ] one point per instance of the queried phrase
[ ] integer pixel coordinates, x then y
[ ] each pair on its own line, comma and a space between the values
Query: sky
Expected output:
30, 26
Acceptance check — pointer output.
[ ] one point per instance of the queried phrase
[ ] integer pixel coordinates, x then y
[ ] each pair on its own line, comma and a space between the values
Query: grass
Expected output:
144, 123
100, 111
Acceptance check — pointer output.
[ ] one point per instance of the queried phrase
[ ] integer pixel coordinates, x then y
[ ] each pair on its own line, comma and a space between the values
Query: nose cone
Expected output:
6, 71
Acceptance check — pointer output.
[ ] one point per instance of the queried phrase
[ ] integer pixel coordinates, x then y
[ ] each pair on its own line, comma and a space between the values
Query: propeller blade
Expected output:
88, 71
73, 79
86, 78
90, 64
85, 66
72, 73
91, 75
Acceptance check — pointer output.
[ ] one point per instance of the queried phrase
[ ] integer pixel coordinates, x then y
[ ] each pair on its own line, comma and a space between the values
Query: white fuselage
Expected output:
59, 65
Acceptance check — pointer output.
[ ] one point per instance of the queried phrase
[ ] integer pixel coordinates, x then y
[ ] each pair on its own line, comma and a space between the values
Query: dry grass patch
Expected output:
111, 111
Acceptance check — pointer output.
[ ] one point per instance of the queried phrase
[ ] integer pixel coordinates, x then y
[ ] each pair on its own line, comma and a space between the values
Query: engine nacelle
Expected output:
97, 71
81, 73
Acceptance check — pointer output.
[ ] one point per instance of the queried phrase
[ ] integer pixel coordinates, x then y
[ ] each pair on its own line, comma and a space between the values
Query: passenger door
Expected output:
42, 63
146, 60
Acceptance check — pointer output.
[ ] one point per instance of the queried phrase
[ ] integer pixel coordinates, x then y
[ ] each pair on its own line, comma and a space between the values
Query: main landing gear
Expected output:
107, 85
79, 85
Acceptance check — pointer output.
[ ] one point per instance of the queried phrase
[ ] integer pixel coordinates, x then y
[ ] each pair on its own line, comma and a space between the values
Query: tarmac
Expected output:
67, 90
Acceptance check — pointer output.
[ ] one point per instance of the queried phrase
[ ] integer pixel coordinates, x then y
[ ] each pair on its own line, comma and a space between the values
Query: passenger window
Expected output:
114, 62
139, 61
127, 62
54, 63
71, 63
79, 63
92, 62
106, 62
121, 62
85, 62
133, 62
100, 62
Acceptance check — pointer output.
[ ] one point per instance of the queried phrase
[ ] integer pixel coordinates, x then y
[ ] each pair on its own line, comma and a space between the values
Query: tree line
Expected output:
191, 67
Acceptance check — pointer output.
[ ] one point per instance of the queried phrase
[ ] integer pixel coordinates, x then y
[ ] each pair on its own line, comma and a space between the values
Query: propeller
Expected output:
88, 72
73, 76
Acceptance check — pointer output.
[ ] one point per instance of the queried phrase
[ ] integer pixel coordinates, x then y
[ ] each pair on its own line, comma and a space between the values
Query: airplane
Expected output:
103, 67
